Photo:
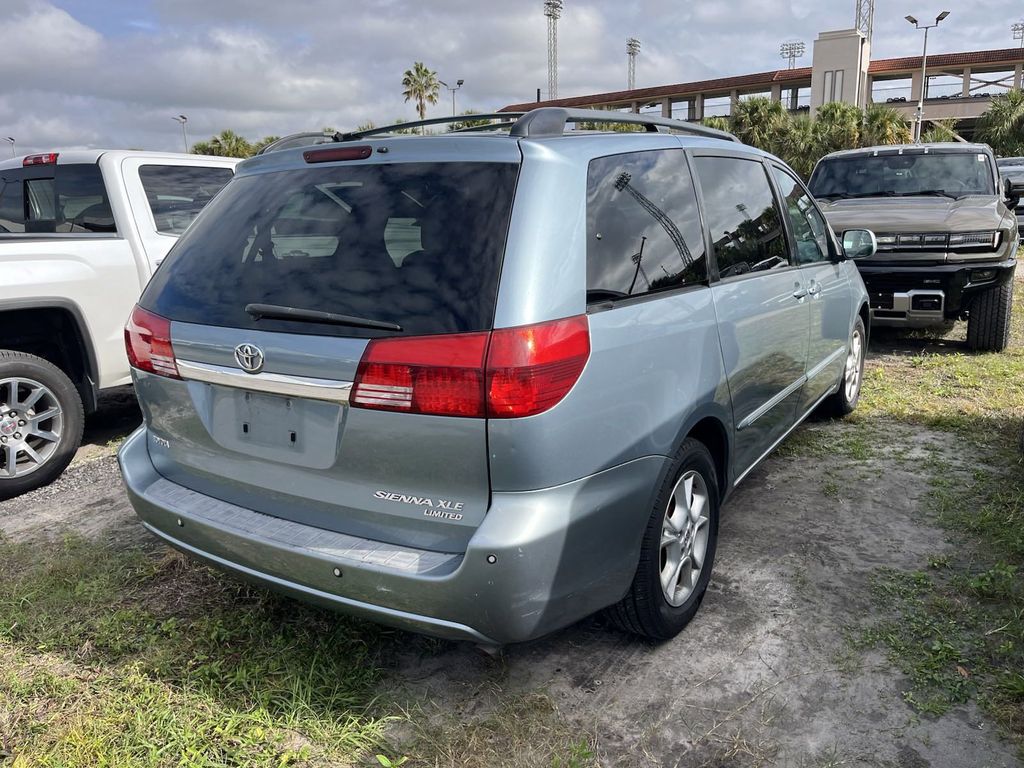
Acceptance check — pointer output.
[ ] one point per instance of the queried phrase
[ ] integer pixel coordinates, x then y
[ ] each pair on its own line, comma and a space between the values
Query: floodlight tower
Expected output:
1018, 32
553, 11
866, 17
632, 49
792, 51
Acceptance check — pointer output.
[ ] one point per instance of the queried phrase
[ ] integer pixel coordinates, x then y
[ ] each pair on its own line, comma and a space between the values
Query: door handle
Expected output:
800, 292
814, 288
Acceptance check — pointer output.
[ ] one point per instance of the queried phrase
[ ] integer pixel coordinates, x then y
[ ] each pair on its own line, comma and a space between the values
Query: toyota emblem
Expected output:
249, 358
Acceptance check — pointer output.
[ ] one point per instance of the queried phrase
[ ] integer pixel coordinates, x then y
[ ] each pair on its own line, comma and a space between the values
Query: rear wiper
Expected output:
275, 312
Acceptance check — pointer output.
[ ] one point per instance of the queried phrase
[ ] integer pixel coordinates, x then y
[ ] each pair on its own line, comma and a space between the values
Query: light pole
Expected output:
10, 140
458, 84
792, 52
924, 70
182, 119
1018, 32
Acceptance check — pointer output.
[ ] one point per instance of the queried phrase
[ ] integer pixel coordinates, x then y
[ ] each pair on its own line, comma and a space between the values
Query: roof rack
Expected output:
543, 122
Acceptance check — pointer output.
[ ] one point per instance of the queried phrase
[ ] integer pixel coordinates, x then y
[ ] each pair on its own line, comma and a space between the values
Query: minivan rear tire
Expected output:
57, 391
646, 609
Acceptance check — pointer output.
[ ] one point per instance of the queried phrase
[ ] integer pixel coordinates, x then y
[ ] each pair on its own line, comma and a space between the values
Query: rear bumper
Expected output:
540, 560
920, 296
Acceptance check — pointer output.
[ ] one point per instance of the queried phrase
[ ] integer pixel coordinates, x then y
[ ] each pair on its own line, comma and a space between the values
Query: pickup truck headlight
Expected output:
971, 240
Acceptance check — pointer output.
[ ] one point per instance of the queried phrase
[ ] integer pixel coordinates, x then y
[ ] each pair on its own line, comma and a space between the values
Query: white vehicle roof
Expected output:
93, 155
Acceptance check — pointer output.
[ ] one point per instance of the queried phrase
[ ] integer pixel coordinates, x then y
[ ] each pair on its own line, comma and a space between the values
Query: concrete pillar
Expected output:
635, 108
1018, 76
666, 108
915, 86
697, 107
967, 82
776, 92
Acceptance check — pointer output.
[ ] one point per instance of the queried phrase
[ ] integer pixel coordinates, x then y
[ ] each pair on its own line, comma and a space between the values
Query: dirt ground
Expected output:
765, 675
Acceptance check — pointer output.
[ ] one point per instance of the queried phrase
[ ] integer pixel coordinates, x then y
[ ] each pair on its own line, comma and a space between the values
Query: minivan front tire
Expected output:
677, 552
41, 422
845, 399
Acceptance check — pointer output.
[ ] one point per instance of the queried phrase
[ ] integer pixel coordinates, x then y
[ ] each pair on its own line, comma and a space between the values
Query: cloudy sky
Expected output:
111, 73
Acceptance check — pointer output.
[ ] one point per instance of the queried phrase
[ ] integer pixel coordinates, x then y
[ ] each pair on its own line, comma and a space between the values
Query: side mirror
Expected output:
1013, 190
859, 243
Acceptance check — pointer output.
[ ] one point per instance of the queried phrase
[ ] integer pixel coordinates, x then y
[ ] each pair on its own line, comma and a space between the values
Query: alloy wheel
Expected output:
684, 537
31, 425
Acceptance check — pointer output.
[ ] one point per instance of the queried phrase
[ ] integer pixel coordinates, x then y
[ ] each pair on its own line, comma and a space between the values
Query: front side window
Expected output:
809, 228
177, 193
643, 226
745, 223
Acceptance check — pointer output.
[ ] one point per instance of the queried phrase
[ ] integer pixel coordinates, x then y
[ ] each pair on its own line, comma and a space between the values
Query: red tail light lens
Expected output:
46, 159
440, 375
530, 369
148, 340
508, 373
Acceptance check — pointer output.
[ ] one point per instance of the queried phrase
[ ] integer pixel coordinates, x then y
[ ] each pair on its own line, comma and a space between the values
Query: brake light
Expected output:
530, 369
335, 154
147, 338
45, 159
507, 373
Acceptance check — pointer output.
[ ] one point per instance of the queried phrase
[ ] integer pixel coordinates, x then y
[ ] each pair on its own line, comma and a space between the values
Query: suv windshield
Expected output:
418, 245
955, 174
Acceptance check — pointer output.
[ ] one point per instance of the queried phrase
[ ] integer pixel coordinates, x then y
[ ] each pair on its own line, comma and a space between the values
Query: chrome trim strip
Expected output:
271, 383
775, 445
825, 363
768, 405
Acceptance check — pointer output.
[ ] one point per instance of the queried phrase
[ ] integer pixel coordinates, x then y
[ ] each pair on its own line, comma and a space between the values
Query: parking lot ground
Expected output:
866, 609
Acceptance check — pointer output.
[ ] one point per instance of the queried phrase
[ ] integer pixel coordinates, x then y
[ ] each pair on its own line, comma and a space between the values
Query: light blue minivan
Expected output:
483, 384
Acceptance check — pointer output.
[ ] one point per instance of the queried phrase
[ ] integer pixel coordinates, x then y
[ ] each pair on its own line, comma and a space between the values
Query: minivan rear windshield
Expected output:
955, 174
418, 245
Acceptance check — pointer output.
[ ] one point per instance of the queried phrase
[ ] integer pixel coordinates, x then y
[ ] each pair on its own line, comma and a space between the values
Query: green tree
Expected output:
422, 86
717, 122
940, 130
1002, 126
800, 146
264, 142
837, 126
760, 122
227, 143
468, 122
884, 125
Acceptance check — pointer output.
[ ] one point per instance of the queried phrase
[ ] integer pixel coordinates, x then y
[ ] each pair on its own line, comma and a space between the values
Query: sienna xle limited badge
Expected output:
444, 508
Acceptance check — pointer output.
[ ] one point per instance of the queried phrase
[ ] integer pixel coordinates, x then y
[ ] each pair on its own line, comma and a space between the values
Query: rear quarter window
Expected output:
416, 244
177, 193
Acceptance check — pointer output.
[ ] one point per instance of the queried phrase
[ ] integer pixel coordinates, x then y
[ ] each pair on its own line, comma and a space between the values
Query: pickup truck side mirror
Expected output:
859, 243
1013, 190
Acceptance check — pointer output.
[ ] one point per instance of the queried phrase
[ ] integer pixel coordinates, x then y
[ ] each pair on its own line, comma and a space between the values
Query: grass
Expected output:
115, 656
956, 626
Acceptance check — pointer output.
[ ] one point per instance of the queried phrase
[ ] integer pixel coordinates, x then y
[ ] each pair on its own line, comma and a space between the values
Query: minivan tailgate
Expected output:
309, 457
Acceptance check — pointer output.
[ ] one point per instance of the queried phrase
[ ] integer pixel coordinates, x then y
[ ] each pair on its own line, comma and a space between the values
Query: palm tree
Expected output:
941, 130
837, 126
717, 122
422, 86
799, 145
884, 125
1002, 126
760, 122
227, 143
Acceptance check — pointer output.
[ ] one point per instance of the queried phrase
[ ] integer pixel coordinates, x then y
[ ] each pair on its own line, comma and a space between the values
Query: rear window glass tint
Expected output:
177, 193
417, 244
12, 202
643, 228
82, 204
743, 217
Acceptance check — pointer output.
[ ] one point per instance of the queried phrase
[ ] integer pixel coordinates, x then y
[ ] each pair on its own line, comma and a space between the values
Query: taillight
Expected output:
530, 369
440, 375
148, 340
507, 373
48, 158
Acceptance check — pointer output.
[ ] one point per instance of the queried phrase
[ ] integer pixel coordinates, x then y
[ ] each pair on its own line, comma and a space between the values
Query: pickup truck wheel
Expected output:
988, 325
677, 551
41, 421
845, 400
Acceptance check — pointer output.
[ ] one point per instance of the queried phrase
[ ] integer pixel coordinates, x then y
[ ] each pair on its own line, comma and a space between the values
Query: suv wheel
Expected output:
41, 421
845, 400
677, 551
988, 325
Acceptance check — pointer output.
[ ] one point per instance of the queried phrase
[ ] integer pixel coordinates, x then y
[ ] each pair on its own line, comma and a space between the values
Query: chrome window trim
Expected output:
330, 390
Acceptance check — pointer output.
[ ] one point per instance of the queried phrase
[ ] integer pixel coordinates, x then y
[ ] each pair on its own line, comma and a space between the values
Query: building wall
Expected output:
840, 68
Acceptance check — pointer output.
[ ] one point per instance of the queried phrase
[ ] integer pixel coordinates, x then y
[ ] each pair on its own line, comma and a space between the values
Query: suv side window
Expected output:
809, 228
177, 193
643, 225
742, 215
12, 202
